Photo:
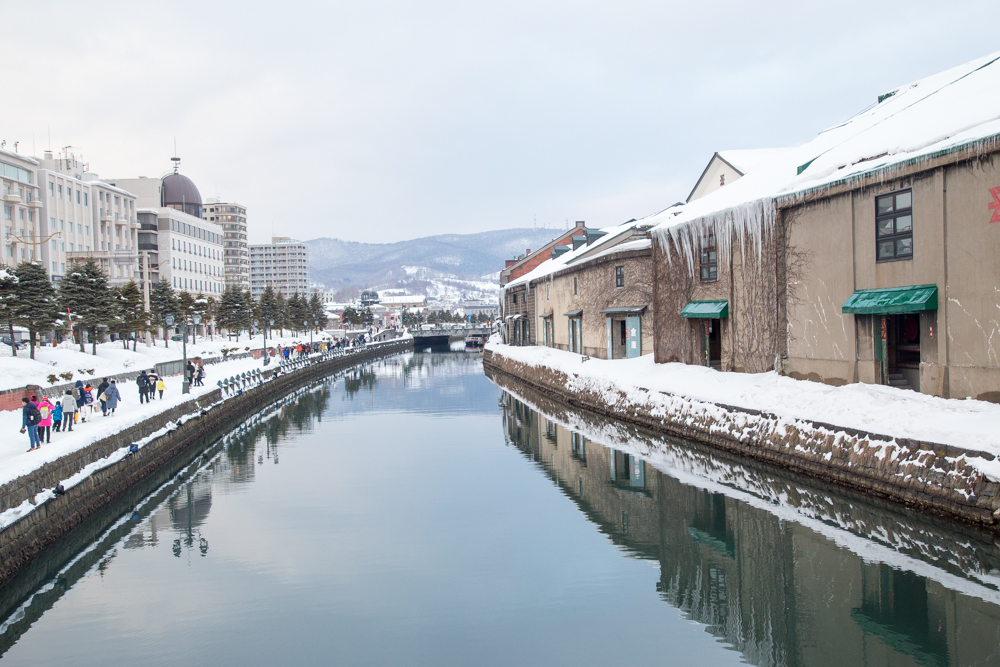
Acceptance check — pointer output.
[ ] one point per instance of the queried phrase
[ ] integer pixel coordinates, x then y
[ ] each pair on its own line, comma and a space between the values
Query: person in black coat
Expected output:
100, 392
143, 382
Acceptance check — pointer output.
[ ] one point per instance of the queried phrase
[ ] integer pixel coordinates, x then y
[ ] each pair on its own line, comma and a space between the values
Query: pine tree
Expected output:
162, 302
133, 312
36, 307
267, 308
229, 315
8, 300
317, 311
185, 308
281, 312
84, 291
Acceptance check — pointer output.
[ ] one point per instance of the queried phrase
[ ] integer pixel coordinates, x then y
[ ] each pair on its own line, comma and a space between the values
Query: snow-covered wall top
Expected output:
942, 113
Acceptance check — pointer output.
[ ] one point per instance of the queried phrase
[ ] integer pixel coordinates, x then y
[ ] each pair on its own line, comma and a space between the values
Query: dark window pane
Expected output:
885, 249
904, 223
705, 273
904, 247
904, 200
885, 227
884, 204
712, 256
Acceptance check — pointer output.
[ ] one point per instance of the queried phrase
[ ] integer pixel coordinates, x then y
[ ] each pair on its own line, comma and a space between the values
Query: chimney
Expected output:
527, 252
581, 224
509, 263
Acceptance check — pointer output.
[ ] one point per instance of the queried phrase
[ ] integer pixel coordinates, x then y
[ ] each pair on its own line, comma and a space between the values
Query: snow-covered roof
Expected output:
402, 299
113, 188
745, 161
942, 113
603, 245
10, 153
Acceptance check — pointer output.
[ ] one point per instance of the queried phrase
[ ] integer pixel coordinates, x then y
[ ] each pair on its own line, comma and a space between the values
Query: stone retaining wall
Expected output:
53, 519
936, 478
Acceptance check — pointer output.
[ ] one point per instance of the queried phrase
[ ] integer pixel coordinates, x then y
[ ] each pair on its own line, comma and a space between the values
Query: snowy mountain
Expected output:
452, 264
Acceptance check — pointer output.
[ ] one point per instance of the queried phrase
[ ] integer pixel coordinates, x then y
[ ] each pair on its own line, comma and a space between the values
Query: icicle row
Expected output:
752, 221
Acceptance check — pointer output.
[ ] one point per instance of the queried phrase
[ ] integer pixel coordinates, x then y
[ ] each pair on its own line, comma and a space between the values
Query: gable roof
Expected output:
954, 110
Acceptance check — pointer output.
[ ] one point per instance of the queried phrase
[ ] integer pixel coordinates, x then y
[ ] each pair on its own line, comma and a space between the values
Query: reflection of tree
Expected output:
360, 379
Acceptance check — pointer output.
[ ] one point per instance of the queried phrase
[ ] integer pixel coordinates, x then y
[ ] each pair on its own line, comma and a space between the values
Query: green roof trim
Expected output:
707, 310
892, 300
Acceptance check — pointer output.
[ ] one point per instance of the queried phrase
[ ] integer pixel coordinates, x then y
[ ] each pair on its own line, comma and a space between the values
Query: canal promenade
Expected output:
43, 498
937, 454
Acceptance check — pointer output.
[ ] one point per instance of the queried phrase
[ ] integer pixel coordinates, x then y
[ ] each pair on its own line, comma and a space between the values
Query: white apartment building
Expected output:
232, 217
188, 249
21, 208
283, 264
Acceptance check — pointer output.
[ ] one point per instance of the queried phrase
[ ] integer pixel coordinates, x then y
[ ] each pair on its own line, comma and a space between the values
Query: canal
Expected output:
413, 512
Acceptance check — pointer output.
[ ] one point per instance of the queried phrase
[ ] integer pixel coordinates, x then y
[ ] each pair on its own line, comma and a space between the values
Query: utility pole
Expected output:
145, 291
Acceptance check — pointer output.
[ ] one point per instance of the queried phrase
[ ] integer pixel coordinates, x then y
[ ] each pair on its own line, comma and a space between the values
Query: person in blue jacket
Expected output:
30, 417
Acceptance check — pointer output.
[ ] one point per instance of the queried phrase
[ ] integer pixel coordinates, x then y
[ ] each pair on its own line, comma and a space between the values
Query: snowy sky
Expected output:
385, 120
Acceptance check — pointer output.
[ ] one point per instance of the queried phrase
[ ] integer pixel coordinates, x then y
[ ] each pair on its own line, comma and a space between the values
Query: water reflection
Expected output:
739, 555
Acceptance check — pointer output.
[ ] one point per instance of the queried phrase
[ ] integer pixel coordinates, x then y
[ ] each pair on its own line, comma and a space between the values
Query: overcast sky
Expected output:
383, 120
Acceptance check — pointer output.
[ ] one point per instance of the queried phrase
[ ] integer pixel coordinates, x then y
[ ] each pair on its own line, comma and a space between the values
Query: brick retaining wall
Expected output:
936, 478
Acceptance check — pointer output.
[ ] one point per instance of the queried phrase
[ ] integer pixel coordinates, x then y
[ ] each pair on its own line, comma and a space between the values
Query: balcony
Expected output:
106, 216
32, 201
12, 195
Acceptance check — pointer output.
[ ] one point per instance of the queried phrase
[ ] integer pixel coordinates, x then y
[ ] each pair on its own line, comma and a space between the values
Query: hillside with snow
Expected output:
448, 265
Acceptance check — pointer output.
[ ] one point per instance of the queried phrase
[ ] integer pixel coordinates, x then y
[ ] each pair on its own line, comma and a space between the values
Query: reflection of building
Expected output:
778, 592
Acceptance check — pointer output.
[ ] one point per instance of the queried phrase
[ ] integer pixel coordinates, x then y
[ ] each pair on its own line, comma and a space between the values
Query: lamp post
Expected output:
305, 323
185, 386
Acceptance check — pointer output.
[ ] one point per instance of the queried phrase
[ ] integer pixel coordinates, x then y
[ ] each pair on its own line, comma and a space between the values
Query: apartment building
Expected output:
232, 217
283, 264
183, 248
21, 207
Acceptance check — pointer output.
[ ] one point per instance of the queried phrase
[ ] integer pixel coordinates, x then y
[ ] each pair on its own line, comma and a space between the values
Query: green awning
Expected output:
707, 310
892, 300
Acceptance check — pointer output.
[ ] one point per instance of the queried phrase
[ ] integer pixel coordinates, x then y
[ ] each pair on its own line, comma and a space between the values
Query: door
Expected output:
715, 344
609, 327
633, 337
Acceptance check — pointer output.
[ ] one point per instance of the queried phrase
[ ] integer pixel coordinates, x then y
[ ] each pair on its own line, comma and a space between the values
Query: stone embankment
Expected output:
204, 420
936, 478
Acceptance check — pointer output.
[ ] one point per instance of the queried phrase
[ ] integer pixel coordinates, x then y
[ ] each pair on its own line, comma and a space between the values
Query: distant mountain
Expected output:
338, 264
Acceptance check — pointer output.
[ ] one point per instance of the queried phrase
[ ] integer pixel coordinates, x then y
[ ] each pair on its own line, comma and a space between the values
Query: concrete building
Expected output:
283, 264
22, 237
232, 217
189, 250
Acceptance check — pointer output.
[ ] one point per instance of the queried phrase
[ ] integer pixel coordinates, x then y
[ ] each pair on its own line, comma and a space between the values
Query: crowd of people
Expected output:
41, 417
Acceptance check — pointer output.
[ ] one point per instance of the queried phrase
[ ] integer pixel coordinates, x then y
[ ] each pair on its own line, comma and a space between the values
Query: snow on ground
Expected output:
15, 460
877, 409
112, 359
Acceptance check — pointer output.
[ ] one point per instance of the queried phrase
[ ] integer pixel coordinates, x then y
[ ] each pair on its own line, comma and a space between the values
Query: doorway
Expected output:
714, 344
618, 336
901, 336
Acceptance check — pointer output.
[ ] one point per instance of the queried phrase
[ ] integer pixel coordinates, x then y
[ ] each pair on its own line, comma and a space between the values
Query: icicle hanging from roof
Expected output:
753, 221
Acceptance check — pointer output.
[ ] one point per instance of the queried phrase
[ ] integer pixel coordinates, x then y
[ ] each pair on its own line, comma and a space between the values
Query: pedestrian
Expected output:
200, 377
160, 386
101, 388
152, 378
190, 373
30, 417
88, 399
143, 383
57, 414
113, 397
81, 400
46, 408
69, 411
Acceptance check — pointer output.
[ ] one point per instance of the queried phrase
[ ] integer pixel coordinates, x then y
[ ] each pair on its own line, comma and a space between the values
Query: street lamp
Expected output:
185, 385
305, 324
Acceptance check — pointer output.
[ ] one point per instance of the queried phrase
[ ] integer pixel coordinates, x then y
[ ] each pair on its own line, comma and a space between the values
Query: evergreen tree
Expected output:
132, 312
162, 302
249, 305
267, 308
281, 310
230, 311
298, 312
8, 300
350, 317
84, 291
36, 307
317, 311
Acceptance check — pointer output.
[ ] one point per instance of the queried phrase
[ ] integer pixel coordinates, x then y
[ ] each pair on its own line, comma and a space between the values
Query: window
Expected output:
515, 298
85, 199
6, 212
62, 267
709, 259
77, 196
60, 191
619, 276
51, 189
894, 226
574, 284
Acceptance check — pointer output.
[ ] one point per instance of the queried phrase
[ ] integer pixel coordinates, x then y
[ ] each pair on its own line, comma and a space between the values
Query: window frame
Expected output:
896, 235
708, 259
620, 276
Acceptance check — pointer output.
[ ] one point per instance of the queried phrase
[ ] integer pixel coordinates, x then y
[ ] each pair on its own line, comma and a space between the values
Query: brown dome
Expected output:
181, 193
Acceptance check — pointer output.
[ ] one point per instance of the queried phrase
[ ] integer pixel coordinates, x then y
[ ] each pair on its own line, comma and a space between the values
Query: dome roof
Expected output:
179, 190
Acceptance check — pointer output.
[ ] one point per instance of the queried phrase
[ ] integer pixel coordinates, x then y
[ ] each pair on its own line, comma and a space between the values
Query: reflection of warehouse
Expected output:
776, 591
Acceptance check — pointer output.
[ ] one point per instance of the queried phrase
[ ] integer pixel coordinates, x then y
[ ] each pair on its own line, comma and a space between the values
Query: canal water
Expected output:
413, 512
